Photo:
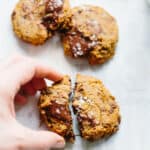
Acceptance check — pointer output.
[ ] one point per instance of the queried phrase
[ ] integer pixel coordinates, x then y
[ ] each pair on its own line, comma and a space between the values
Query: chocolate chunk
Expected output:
80, 45
58, 111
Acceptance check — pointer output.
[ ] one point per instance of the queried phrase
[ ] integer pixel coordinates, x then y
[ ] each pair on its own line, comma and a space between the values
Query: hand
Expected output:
23, 75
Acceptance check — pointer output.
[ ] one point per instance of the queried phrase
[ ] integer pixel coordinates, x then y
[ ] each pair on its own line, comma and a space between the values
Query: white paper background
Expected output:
127, 75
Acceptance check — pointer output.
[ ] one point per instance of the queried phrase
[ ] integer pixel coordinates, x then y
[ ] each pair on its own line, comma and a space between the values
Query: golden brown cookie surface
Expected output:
34, 21
54, 108
97, 112
92, 33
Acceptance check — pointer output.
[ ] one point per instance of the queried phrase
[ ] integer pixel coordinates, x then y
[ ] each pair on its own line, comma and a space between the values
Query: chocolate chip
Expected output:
79, 11
58, 111
80, 45
119, 119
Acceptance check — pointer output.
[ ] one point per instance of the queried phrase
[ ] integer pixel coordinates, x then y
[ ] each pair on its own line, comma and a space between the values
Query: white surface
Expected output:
127, 75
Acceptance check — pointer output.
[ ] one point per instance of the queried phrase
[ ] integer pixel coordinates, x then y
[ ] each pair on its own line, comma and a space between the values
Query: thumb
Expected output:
43, 140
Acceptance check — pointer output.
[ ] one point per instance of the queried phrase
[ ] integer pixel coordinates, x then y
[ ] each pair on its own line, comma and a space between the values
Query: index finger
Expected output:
44, 71
25, 70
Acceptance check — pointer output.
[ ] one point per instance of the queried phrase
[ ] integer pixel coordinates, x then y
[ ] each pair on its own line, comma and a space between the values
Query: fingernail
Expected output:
60, 143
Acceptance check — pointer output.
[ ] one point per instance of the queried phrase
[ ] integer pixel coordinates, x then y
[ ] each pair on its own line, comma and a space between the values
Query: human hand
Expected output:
22, 75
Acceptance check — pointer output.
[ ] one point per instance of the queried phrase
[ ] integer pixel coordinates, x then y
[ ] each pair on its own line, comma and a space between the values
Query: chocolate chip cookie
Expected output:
97, 111
92, 33
54, 108
35, 21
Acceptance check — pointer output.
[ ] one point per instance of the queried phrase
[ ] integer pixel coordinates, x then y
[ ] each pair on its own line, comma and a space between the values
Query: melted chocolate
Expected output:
54, 6
53, 9
58, 111
80, 45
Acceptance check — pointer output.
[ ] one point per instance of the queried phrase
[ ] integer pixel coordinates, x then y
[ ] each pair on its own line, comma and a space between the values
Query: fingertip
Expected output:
60, 144
56, 76
44, 71
60, 141
46, 139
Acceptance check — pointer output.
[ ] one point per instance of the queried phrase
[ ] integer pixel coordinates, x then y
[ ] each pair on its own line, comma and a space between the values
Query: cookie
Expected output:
92, 33
97, 111
54, 108
35, 21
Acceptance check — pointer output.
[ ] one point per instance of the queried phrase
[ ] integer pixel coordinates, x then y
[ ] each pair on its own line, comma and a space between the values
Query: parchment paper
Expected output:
127, 75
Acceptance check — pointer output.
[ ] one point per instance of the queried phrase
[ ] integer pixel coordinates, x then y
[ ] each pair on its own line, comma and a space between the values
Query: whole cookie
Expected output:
97, 111
35, 21
91, 32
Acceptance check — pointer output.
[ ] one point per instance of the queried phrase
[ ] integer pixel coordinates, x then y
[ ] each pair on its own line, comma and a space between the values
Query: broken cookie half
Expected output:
97, 111
54, 108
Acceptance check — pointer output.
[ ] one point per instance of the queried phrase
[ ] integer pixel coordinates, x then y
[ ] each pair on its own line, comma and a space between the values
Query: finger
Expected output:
19, 99
28, 89
43, 140
44, 71
24, 71
29, 68
38, 84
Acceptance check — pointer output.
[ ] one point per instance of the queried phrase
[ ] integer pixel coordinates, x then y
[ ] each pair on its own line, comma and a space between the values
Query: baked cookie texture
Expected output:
54, 108
35, 21
91, 32
97, 111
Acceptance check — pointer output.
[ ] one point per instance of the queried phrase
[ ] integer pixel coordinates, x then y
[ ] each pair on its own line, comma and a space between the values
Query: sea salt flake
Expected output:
73, 33
96, 121
77, 50
57, 111
59, 2
94, 22
79, 53
90, 114
93, 43
78, 45
93, 37
81, 100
